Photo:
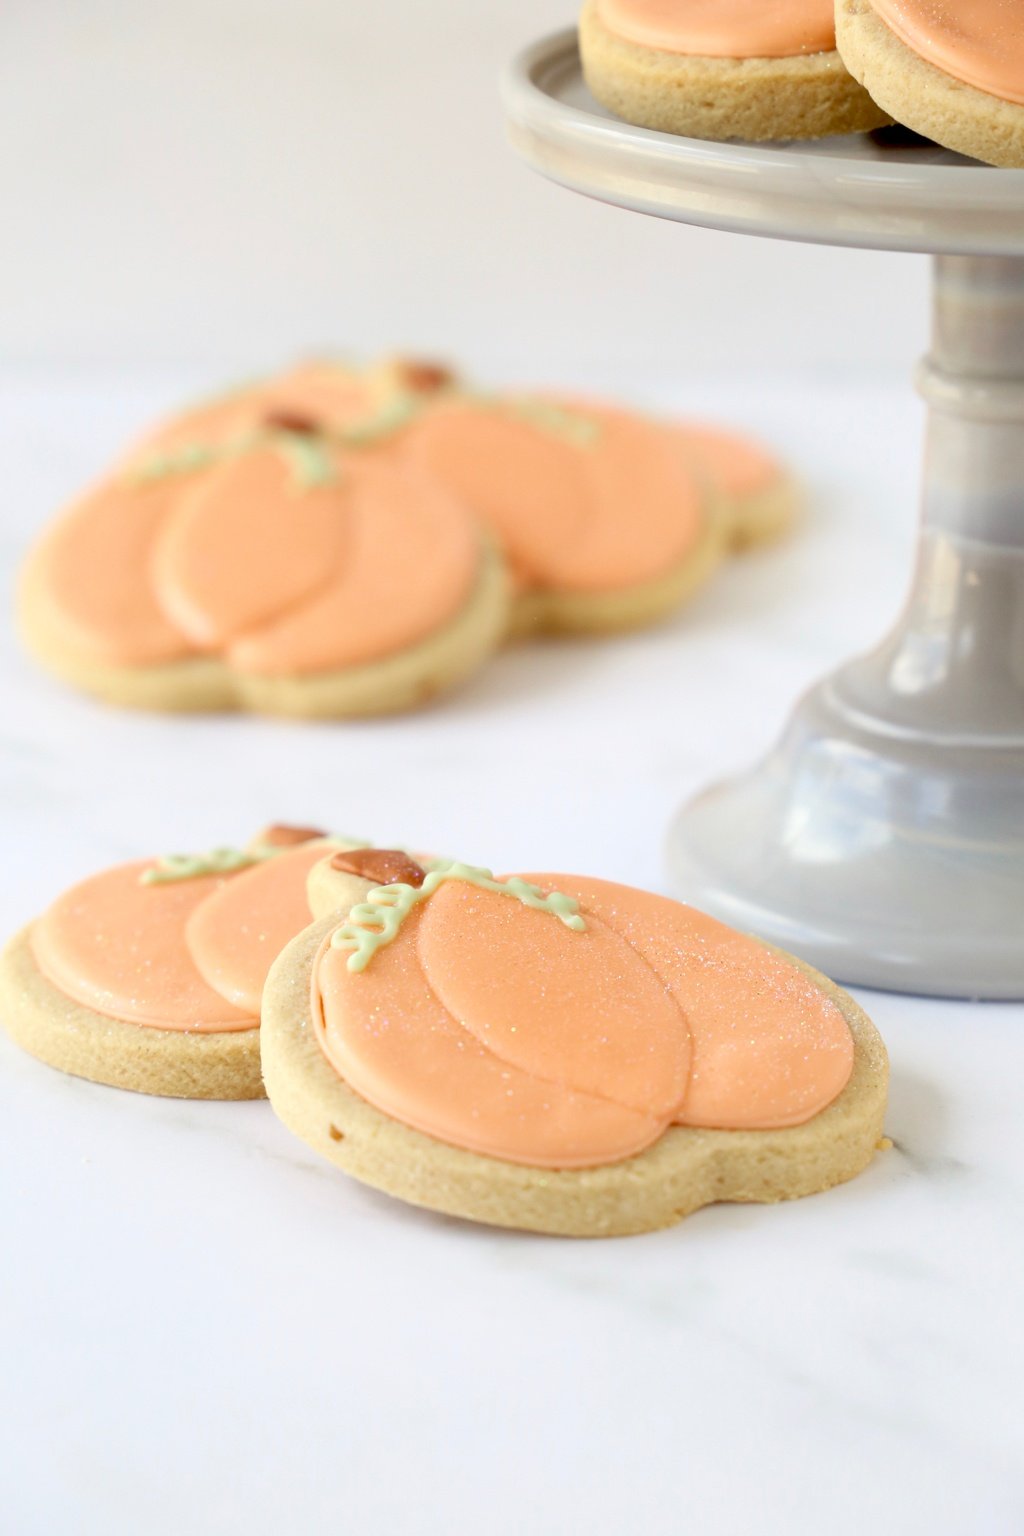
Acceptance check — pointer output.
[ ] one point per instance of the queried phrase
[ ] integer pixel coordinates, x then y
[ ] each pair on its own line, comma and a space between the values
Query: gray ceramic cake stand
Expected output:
883, 838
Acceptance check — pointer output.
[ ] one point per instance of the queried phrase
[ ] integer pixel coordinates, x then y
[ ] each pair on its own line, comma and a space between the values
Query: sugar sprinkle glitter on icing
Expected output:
373, 923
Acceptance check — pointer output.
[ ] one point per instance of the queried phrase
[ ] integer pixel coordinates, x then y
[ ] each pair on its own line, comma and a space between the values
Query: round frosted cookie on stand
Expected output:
952, 70
268, 568
562, 1054
604, 525
149, 976
723, 69
760, 498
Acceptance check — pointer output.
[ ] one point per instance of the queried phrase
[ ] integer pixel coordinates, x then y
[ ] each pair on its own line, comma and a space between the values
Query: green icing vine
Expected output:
225, 861
373, 923
308, 455
180, 461
390, 418
218, 861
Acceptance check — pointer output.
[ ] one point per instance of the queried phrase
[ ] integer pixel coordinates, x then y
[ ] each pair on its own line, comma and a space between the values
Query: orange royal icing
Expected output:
735, 465
242, 558
555, 499
979, 42
244, 544
180, 954
411, 558
494, 1027
119, 947
90, 576
236, 934
725, 29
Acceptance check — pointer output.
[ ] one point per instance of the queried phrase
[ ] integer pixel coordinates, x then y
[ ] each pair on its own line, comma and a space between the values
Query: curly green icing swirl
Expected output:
217, 861
226, 861
373, 923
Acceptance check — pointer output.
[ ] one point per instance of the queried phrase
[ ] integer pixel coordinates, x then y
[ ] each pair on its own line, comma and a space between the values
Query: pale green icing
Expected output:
557, 419
308, 455
373, 923
225, 861
390, 418
218, 861
179, 461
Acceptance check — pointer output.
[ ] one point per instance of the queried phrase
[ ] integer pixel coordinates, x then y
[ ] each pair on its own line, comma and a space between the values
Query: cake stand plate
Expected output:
883, 837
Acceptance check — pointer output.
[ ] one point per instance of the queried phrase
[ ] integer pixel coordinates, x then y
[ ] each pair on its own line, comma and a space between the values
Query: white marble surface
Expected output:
204, 1329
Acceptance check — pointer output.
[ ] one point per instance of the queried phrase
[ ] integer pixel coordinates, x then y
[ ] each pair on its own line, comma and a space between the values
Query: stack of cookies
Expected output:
340, 540
952, 70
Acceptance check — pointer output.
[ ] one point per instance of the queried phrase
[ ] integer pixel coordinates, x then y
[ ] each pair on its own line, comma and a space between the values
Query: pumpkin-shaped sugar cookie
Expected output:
267, 568
603, 523
560, 1053
150, 975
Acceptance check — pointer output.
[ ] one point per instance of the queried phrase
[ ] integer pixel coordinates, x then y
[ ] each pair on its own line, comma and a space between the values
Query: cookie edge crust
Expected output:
923, 97
686, 1169
203, 684
176, 1064
808, 96
539, 611
764, 517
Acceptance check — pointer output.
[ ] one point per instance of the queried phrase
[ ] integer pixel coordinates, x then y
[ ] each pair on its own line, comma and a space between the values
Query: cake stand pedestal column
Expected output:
883, 838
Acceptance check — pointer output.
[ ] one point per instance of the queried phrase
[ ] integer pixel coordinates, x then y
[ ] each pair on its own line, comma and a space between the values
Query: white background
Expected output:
221, 183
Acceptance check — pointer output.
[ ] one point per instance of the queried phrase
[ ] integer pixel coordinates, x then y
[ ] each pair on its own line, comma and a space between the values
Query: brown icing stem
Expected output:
384, 866
294, 421
281, 836
420, 376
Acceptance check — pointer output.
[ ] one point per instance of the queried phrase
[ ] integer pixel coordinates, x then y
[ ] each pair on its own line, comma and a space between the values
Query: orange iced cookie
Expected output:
952, 70
273, 564
149, 975
759, 498
602, 522
560, 1053
723, 69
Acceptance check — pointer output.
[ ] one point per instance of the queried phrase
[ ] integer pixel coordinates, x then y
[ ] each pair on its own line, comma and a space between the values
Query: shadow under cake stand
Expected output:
883, 837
